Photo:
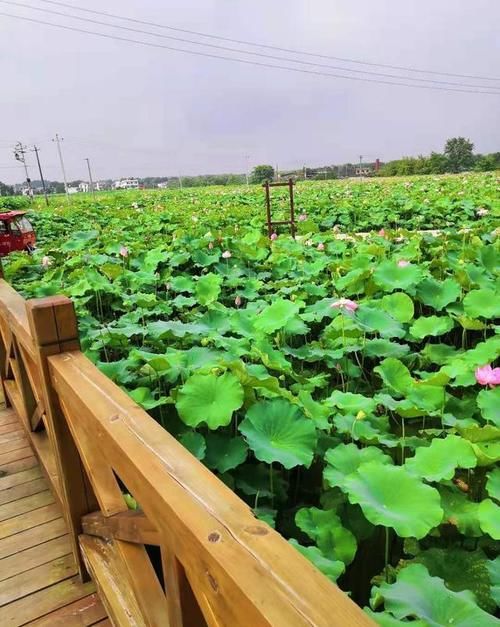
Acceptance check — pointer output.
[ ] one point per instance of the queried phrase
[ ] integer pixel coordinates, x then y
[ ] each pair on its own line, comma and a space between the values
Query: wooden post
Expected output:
54, 330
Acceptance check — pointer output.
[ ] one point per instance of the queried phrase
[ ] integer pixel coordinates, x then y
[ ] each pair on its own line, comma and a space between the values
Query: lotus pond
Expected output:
346, 389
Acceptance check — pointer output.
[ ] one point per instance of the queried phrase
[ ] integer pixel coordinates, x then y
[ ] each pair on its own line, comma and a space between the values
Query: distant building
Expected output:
163, 185
126, 184
84, 187
73, 190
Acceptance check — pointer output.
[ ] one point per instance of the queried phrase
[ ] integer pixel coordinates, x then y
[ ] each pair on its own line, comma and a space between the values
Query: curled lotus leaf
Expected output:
439, 460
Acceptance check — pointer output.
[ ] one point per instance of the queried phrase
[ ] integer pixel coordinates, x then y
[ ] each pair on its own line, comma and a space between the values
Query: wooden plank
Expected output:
12, 445
18, 466
82, 613
227, 554
12, 456
7, 417
104, 623
22, 490
54, 329
40, 603
20, 477
114, 591
14, 434
14, 396
30, 519
131, 526
11, 426
35, 556
32, 537
46, 457
26, 504
100, 474
36, 579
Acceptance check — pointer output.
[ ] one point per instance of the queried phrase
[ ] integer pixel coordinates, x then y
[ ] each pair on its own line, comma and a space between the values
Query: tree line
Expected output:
457, 156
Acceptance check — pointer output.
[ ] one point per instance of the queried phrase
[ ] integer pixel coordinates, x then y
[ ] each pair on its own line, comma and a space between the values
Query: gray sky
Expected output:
144, 111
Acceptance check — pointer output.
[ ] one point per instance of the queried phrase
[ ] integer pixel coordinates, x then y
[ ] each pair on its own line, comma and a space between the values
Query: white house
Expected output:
127, 184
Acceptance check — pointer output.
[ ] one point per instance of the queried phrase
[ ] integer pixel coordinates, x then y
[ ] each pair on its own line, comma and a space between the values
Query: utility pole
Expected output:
90, 177
58, 141
305, 173
180, 182
35, 150
360, 166
20, 155
247, 160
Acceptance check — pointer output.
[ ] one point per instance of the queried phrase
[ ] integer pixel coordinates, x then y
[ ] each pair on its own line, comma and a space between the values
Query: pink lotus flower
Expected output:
123, 251
302, 217
321, 246
274, 236
46, 261
226, 254
402, 263
345, 303
382, 233
237, 301
210, 245
486, 375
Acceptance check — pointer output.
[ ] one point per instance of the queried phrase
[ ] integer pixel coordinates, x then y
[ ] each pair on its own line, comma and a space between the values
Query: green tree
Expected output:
459, 151
6, 190
486, 163
262, 173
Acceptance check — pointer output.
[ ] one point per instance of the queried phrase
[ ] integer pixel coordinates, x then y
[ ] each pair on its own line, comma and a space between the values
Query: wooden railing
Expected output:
193, 554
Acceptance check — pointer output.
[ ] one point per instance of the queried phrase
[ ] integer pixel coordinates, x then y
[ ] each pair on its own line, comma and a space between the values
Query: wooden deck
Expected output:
39, 584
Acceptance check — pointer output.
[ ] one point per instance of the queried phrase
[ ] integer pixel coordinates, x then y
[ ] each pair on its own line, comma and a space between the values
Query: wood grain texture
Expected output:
226, 553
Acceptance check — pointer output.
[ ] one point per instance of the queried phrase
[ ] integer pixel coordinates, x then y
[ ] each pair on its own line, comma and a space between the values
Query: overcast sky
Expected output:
142, 111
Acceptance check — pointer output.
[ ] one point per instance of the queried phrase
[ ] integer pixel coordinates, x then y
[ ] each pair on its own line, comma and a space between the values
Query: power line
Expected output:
267, 46
246, 52
245, 61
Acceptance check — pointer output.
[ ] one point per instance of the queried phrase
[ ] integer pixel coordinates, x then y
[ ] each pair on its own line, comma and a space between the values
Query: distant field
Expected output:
345, 389
449, 201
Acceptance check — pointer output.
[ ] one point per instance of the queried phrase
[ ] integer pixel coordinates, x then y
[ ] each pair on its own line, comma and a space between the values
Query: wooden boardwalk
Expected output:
39, 584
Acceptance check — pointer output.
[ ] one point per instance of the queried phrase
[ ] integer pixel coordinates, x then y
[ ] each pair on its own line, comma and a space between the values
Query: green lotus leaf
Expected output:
225, 453
345, 459
399, 305
351, 403
493, 567
257, 480
326, 529
379, 321
428, 398
390, 496
182, 283
482, 303
487, 453
440, 459
438, 294
384, 619
418, 595
278, 431
493, 484
390, 276
460, 512
488, 402
208, 288
207, 398
489, 518
144, 397
431, 325
460, 570
195, 443
384, 348
329, 567
276, 316
395, 375
312, 409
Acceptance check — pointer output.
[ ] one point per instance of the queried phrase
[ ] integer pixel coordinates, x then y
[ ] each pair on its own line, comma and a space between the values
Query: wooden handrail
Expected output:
219, 565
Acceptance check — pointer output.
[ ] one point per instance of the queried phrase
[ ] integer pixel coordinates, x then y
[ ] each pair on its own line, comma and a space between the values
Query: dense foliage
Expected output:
345, 388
